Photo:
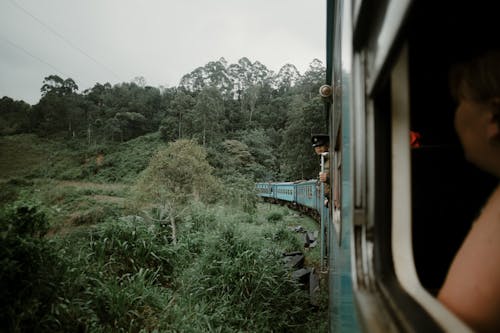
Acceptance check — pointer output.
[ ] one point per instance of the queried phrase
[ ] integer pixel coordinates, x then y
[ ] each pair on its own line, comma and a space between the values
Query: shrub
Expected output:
29, 267
274, 217
126, 248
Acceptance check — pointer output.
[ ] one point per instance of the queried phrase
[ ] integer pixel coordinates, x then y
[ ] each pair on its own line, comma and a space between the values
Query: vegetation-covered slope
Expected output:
131, 208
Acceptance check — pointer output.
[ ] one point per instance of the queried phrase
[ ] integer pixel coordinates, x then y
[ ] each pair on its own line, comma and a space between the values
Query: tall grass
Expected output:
223, 275
245, 285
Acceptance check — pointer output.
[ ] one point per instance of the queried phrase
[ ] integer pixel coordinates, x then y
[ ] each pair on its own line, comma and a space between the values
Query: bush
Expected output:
125, 248
29, 267
274, 217
9, 190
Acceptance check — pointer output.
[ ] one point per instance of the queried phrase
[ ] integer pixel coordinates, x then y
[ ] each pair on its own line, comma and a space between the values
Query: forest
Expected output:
241, 113
130, 208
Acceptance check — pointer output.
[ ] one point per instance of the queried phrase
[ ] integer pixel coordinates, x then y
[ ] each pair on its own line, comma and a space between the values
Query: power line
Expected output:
32, 55
72, 45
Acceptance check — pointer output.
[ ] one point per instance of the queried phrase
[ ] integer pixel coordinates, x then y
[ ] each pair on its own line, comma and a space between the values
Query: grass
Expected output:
96, 272
222, 275
25, 155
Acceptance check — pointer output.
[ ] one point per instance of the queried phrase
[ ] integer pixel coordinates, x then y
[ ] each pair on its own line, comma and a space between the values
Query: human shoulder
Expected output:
472, 287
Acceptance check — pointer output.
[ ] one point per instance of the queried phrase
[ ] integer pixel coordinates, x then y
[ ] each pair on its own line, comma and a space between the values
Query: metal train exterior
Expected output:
401, 213
305, 193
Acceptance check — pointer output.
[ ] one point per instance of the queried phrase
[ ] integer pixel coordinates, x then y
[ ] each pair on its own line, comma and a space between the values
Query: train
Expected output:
302, 195
402, 211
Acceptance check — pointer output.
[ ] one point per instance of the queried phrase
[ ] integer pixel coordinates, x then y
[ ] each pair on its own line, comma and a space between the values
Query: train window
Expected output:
447, 191
436, 193
411, 206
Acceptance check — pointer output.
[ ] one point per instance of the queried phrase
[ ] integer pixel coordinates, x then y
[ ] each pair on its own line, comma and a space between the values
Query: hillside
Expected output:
29, 156
26, 155
80, 252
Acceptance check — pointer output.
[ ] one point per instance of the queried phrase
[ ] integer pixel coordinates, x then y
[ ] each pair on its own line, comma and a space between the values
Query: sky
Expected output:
99, 41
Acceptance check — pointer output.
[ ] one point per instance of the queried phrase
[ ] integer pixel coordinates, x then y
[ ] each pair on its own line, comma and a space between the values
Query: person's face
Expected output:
471, 123
320, 149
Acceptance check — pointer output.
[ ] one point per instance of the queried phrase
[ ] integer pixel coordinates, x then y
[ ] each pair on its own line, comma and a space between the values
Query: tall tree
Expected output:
208, 116
298, 160
53, 84
175, 124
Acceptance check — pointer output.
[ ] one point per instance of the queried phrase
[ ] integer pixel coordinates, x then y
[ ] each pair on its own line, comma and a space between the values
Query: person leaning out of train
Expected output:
472, 286
320, 143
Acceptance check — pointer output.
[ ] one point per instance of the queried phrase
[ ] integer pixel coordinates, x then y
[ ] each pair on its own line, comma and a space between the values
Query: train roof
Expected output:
303, 181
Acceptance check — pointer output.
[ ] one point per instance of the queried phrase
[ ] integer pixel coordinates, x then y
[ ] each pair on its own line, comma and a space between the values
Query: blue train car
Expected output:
303, 194
284, 191
264, 190
307, 193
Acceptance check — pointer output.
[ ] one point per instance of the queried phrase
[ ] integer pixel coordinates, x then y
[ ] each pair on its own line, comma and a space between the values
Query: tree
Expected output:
53, 84
306, 117
287, 77
176, 176
14, 116
58, 108
312, 79
175, 125
260, 146
208, 116
132, 124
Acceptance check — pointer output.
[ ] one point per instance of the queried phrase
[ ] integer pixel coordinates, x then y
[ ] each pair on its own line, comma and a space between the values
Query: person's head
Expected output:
320, 143
476, 87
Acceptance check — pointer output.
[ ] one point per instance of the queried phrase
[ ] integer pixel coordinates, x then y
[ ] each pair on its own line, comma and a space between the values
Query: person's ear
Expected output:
493, 126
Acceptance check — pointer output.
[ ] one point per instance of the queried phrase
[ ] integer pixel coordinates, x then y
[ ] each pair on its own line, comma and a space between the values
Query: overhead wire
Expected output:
71, 44
32, 55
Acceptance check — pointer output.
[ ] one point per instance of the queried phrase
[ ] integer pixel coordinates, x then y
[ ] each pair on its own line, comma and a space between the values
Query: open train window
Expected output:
422, 200
447, 191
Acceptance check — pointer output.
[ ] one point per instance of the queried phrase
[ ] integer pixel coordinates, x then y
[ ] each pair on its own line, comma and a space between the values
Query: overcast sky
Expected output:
117, 40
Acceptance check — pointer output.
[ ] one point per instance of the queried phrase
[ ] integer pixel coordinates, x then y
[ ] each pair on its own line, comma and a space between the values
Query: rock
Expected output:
314, 288
295, 261
302, 275
295, 253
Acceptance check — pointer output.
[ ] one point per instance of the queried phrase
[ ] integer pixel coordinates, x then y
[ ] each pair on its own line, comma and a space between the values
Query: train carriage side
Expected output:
306, 193
284, 191
264, 190
403, 212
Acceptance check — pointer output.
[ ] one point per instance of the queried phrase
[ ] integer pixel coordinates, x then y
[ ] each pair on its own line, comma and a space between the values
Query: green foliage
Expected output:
14, 116
222, 275
133, 303
286, 238
28, 267
178, 174
274, 217
125, 248
219, 102
303, 121
239, 191
244, 284
125, 161
10, 189
90, 216
25, 219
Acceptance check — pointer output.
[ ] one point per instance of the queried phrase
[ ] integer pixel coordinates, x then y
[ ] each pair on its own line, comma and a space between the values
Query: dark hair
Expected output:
478, 79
